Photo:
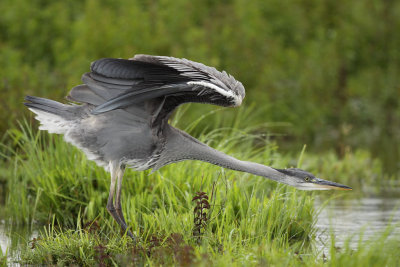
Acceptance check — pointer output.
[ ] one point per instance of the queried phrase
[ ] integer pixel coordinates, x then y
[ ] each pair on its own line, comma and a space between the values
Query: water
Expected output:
348, 218
4, 240
12, 239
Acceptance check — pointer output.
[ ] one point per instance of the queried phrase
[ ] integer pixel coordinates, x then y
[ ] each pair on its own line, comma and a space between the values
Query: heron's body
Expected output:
109, 136
122, 119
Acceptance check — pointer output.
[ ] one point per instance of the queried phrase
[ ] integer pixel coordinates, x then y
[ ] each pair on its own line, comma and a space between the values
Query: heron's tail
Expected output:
54, 116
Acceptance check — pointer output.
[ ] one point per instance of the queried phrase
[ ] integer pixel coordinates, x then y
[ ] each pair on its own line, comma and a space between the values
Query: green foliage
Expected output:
3, 258
330, 68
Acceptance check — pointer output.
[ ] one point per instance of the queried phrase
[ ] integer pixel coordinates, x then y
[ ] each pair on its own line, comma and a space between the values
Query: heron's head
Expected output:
306, 181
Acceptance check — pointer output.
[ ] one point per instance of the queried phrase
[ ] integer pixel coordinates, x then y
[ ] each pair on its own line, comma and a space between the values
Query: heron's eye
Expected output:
307, 179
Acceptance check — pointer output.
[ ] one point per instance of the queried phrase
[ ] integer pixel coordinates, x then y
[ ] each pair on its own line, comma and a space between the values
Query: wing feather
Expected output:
138, 96
144, 78
83, 94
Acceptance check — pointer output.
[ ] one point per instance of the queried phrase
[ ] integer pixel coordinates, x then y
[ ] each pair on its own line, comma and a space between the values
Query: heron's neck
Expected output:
181, 146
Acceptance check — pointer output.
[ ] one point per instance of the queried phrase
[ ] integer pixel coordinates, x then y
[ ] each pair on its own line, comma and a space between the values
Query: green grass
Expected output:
251, 220
3, 258
85, 247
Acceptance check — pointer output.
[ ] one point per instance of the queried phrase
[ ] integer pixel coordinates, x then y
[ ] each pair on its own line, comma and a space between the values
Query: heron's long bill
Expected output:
320, 184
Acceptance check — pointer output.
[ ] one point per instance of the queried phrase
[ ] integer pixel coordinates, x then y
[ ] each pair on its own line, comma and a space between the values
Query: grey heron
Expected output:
121, 119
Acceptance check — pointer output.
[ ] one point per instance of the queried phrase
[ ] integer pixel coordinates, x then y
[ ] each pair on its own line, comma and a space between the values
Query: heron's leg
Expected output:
118, 207
114, 169
110, 205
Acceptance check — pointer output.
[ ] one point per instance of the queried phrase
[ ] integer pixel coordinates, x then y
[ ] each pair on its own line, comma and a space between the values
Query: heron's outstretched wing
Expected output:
122, 83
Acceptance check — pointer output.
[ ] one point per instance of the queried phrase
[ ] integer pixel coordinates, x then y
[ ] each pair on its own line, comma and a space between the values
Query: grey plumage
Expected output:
122, 119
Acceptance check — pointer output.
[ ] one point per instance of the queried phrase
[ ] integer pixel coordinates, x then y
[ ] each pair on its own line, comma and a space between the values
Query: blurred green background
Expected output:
322, 73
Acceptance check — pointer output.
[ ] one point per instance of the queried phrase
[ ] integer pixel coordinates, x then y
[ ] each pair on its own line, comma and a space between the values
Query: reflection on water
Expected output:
349, 217
4, 240
13, 239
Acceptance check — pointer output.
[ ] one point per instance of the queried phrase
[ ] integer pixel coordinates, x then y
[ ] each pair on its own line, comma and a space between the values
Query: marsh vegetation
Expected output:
321, 73
248, 220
